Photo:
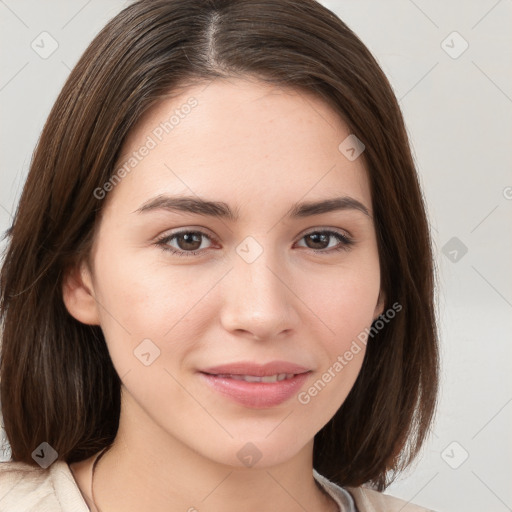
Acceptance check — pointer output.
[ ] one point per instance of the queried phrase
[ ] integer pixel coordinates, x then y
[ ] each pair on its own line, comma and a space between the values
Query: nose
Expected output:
258, 298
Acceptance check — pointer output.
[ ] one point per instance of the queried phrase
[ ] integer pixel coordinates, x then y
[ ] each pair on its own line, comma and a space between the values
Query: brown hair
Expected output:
57, 381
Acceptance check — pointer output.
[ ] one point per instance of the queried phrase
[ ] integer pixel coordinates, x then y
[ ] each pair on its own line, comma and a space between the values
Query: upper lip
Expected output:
258, 370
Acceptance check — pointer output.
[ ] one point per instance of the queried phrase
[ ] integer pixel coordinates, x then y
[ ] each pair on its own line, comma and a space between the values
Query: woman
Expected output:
286, 359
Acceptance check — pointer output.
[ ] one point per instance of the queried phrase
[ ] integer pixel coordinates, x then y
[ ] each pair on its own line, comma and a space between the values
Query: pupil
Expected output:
188, 237
316, 236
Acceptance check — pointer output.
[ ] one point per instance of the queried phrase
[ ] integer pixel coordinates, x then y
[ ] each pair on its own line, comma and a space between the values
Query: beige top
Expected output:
27, 488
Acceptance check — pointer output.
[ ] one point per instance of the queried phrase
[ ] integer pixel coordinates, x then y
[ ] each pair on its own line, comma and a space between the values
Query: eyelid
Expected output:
339, 231
207, 233
346, 239
187, 229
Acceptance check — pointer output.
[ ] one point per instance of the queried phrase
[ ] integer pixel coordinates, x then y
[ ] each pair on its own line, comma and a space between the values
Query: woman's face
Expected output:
264, 284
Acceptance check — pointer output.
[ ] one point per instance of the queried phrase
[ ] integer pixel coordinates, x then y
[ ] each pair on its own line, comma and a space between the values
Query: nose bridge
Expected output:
256, 266
257, 299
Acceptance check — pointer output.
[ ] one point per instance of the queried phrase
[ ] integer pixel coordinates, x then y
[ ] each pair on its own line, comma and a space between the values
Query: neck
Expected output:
150, 471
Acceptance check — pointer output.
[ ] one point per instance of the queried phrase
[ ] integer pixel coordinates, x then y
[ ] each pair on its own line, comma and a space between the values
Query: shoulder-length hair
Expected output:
58, 383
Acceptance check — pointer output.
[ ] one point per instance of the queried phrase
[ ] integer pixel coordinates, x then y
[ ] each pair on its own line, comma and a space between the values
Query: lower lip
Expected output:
258, 395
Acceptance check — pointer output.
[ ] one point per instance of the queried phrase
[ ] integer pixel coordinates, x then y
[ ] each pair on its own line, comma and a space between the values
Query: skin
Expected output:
260, 149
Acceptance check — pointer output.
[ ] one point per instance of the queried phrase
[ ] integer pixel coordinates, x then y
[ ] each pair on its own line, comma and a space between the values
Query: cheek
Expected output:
145, 300
346, 306
343, 301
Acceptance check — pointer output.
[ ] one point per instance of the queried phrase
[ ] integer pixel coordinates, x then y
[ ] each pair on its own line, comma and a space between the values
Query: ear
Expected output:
379, 308
78, 295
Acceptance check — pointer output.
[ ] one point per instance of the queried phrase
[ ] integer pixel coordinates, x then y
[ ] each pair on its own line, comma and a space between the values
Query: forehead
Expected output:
240, 139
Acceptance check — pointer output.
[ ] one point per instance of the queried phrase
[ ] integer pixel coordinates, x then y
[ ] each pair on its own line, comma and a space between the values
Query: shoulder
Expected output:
364, 499
374, 501
28, 488
370, 500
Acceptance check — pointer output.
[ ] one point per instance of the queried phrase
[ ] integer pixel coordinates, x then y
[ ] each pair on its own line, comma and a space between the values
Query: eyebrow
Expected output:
221, 210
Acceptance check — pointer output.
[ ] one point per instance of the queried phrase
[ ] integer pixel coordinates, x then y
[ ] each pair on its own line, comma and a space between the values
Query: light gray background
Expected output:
458, 110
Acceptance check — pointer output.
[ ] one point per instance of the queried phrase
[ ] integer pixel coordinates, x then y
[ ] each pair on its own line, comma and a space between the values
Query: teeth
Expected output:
254, 378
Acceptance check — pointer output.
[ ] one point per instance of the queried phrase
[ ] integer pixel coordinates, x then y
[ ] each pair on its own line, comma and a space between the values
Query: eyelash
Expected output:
162, 242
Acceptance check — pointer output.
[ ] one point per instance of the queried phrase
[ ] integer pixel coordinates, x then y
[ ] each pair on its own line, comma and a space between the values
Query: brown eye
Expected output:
187, 243
319, 241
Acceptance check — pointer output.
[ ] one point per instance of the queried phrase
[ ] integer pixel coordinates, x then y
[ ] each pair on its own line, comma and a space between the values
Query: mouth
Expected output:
256, 386
254, 378
251, 369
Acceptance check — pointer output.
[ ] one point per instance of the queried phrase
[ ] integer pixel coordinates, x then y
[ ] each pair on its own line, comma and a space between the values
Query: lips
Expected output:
256, 386
252, 378
257, 370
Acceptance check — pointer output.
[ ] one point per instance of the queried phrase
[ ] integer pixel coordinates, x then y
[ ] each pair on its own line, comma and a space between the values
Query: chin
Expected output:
261, 452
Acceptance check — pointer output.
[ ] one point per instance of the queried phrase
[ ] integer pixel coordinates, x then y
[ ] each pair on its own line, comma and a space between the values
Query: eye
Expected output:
320, 241
189, 242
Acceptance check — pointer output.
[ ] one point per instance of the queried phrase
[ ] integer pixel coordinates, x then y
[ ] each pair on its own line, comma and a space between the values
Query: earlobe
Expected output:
78, 295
